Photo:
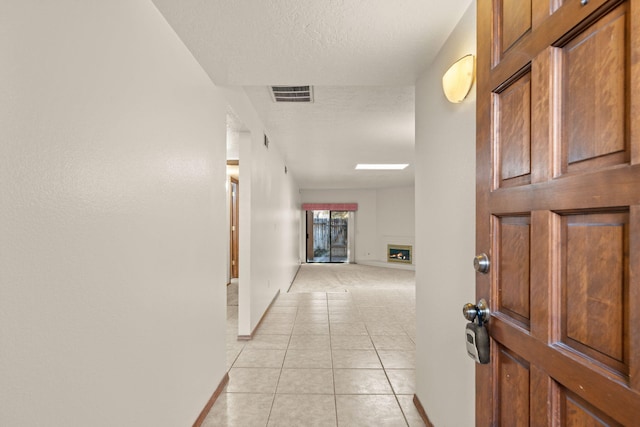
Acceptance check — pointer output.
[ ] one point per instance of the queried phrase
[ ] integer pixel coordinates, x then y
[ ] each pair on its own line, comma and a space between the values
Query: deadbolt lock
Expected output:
481, 263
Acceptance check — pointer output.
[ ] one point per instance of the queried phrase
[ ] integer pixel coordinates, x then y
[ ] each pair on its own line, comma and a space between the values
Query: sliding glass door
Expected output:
327, 236
338, 236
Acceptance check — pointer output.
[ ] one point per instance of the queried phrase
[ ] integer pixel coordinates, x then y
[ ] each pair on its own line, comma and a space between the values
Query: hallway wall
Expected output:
396, 221
445, 234
269, 218
384, 216
112, 224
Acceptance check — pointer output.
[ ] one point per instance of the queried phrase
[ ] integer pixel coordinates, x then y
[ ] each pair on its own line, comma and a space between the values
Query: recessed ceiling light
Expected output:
381, 167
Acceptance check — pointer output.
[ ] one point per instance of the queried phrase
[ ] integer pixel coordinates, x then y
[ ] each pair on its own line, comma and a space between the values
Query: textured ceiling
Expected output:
362, 56
344, 126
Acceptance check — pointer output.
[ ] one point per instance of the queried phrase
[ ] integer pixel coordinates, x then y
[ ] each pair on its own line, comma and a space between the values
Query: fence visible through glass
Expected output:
329, 236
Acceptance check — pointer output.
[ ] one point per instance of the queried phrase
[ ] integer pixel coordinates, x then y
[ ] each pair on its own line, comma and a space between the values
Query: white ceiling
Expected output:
362, 57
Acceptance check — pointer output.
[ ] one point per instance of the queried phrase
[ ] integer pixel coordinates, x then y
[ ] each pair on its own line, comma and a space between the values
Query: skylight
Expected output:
381, 167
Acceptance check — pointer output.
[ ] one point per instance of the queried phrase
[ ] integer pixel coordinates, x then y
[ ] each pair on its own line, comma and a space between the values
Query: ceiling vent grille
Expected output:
292, 93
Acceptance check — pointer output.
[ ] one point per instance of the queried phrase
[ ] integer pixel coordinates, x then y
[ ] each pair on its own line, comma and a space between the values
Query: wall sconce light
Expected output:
458, 79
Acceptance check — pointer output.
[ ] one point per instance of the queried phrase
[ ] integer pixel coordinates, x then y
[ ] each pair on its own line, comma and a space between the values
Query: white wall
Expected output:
233, 147
384, 216
396, 219
112, 223
445, 234
269, 218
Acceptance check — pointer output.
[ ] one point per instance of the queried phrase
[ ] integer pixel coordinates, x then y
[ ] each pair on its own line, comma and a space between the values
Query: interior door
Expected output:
235, 223
558, 211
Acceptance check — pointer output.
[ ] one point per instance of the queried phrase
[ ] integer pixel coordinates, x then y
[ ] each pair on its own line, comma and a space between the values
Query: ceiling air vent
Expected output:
292, 93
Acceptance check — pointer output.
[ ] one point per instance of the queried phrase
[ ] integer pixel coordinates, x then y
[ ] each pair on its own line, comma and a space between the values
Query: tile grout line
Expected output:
333, 371
275, 392
384, 369
370, 304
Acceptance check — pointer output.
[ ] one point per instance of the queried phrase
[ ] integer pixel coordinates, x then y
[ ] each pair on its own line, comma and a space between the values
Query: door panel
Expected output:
338, 236
558, 199
512, 109
514, 382
549, 27
515, 20
576, 412
513, 283
594, 109
594, 287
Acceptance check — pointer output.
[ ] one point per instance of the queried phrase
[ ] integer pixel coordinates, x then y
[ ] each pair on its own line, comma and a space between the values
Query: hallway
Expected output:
337, 349
114, 236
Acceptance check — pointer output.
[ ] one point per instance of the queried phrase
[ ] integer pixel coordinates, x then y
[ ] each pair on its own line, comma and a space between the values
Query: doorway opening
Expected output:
327, 236
237, 135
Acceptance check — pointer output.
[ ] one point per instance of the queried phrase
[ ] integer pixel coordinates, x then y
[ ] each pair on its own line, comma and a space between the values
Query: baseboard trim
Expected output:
253, 332
211, 401
385, 264
421, 411
294, 277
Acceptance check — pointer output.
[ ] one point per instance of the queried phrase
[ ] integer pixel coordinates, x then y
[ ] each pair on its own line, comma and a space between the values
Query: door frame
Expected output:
234, 227
309, 215
309, 234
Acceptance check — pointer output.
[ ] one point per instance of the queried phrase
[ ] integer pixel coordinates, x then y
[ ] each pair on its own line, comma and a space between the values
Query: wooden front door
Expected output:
558, 211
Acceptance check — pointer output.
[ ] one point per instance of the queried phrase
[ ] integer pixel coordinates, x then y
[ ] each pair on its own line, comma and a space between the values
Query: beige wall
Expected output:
445, 235
112, 222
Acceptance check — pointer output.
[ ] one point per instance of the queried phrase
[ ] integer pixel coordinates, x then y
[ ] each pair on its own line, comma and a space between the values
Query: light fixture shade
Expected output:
458, 79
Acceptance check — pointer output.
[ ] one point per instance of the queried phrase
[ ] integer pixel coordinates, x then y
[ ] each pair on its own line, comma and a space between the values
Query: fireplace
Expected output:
399, 253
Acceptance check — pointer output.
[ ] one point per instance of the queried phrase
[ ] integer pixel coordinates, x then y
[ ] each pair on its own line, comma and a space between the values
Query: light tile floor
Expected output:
323, 359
